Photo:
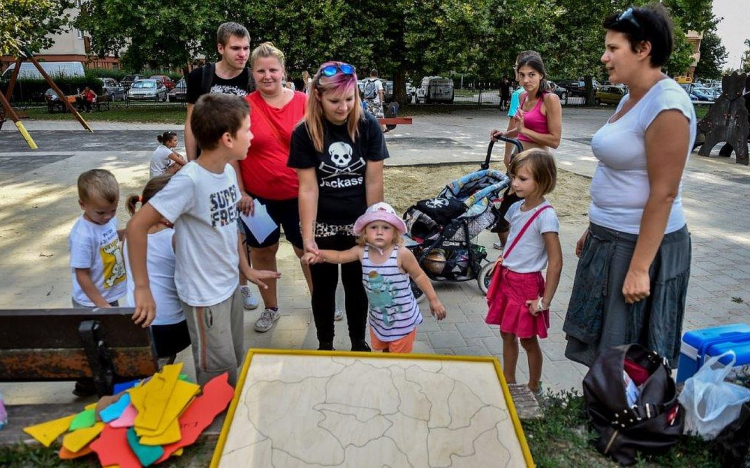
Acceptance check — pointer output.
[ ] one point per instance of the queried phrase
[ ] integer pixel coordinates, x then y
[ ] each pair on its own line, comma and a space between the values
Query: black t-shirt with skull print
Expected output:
340, 167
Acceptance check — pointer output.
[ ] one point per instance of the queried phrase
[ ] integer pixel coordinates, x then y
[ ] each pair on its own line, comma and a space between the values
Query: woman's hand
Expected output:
637, 286
495, 133
581, 241
518, 118
246, 205
311, 246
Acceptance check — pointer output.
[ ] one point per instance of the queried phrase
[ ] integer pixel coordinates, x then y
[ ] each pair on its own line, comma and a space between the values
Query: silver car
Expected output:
113, 89
148, 90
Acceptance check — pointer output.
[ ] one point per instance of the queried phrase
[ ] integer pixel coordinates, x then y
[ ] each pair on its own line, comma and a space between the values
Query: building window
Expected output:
79, 33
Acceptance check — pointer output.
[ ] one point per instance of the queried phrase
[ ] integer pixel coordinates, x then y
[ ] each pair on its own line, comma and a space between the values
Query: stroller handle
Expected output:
486, 163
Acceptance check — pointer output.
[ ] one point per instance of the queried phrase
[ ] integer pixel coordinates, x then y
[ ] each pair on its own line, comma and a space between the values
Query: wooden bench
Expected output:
68, 344
102, 102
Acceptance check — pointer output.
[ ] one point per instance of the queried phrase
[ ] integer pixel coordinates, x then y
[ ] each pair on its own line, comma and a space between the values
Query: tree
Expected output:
746, 58
31, 23
713, 57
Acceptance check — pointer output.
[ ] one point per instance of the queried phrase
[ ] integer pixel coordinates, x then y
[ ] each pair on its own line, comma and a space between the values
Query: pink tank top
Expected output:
534, 119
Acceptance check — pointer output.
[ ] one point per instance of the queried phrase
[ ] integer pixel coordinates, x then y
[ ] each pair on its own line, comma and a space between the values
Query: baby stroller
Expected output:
440, 230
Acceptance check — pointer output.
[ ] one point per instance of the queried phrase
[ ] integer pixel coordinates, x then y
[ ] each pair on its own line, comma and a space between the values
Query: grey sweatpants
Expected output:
216, 334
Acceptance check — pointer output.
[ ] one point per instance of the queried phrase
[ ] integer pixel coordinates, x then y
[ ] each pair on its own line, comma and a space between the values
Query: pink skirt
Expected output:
507, 298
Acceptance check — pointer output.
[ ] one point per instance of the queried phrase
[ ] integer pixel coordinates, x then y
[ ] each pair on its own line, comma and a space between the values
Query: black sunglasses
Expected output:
629, 16
331, 70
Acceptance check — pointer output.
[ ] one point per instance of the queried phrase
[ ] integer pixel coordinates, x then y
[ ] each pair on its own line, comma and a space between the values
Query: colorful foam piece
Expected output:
127, 419
84, 419
200, 414
151, 398
113, 449
46, 433
181, 395
121, 387
115, 410
77, 440
146, 454
171, 435
66, 454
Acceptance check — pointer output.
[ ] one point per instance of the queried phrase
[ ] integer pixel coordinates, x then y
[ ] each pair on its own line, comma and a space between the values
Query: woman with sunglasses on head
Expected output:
632, 276
536, 122
264, 173
338, 152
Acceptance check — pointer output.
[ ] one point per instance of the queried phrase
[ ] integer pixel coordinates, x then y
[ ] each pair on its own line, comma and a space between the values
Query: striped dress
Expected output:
393, 310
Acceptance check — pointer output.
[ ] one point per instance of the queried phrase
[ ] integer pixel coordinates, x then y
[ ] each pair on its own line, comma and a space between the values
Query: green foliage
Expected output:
746, 58
27, 90
713, 57
31, 23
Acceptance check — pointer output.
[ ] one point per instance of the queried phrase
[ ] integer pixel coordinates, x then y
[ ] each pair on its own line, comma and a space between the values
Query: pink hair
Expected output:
336, 84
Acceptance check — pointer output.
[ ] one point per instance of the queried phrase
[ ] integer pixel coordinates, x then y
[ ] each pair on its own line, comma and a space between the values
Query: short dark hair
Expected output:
100, 183
541, 165
230, 29
216, 114
374, 72
652, 24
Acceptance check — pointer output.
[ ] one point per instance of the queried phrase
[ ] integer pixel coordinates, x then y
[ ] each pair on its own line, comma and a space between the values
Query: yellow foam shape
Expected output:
171, 435
154, 397
178, 452
46, 433
77, 440
89, 407
181, 395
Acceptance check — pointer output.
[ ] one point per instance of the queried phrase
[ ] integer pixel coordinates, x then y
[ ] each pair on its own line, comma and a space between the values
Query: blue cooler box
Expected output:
699, 345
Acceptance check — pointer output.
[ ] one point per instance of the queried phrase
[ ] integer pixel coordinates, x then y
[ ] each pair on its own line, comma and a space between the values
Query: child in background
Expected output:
201, 201
517, 297
165, 159
386, 268
169, 328
96, 264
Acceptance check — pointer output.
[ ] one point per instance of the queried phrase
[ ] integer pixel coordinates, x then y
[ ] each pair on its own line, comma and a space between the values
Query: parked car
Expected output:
113, 89
411, 91
610, 94
706, 92
148, 90
167, 81
577, 87
437, 89
561, 92
697, 94
128, 81
179, 92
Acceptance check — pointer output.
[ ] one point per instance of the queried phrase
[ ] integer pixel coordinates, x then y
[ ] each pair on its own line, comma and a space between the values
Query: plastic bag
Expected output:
710, 403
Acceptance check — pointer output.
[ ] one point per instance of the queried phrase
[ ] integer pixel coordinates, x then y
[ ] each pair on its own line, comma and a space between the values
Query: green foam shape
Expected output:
146, 454
83, 420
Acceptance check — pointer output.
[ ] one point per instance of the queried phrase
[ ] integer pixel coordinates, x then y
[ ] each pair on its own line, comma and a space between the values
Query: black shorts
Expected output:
285, 213
502, 224
170, 339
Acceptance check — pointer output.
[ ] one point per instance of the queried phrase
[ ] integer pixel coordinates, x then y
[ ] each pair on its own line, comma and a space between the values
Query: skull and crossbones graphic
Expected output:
437, 203
341, 157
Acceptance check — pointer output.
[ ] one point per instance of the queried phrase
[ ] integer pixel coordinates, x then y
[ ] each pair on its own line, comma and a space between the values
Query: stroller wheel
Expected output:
419, 295
485, 277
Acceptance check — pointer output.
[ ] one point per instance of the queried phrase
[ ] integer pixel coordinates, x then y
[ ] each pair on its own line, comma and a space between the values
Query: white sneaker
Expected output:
248, 298
497, 245
338, 314
266, 320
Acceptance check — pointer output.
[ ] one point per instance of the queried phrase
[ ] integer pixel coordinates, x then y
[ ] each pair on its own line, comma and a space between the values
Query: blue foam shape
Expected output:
115, 410
121, 387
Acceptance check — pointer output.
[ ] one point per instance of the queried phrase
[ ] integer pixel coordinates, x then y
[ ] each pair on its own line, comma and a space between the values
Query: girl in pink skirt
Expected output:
518, 298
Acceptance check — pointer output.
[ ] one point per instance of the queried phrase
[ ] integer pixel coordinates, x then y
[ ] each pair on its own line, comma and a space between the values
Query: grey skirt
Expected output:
599, 318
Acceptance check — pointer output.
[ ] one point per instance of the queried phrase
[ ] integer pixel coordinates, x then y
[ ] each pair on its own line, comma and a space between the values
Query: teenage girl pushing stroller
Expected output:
518, 298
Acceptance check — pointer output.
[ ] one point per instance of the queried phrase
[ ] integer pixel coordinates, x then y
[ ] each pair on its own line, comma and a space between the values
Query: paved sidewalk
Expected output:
38, 207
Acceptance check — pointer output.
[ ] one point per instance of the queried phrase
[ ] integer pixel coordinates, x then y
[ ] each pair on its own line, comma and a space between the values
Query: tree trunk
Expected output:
590, 91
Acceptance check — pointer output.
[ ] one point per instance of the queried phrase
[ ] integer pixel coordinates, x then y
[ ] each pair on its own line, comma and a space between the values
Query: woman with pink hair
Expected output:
338, 152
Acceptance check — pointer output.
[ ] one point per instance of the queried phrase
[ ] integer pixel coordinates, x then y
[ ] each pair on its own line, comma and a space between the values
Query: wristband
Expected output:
540, 305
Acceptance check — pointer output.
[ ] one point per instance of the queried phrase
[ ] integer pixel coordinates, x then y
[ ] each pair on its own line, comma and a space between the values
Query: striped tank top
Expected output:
393, 310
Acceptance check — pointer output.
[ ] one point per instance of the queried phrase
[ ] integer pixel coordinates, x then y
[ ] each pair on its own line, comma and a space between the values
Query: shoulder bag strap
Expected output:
208, 78
523, 230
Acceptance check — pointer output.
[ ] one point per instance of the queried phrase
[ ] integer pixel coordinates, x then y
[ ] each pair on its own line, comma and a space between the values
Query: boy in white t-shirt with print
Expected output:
96, 262
201, 202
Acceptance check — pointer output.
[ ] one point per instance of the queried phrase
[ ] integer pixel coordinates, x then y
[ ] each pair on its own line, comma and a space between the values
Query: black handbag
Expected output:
653, 424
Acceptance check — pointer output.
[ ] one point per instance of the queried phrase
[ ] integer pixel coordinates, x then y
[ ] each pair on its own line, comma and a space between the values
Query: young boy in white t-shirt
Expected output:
201, 201
96, 263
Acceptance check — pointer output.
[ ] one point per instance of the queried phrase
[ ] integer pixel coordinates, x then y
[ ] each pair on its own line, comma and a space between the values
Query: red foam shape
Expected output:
112, 448
200, 414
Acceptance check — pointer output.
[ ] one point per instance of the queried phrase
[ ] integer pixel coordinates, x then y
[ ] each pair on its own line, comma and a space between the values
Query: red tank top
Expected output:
534, 119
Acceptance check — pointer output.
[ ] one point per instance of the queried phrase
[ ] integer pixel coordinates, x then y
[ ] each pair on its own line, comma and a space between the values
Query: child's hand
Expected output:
256, 276
535, 306
145, 307
310, 258
437, 309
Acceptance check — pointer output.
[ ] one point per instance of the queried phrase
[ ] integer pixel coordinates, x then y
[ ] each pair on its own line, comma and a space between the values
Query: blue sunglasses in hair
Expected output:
628, 16
331, 70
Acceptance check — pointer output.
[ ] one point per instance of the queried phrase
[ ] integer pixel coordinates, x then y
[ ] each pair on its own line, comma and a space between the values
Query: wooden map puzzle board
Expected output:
323, 409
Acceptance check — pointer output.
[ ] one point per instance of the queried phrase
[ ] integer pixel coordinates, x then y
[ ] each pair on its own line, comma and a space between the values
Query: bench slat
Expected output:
70, 364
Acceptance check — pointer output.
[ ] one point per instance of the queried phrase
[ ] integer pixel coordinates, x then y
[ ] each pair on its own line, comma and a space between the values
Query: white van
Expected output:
435, 89
54, 69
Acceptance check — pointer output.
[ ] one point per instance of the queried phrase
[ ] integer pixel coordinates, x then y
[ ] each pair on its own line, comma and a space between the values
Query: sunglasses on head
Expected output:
331, 70
629, 16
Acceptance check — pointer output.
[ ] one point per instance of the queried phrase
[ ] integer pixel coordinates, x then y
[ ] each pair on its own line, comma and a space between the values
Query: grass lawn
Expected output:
143, 113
